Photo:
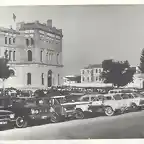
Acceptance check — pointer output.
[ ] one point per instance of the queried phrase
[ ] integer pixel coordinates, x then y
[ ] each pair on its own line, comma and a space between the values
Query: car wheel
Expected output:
55, 118
21, 122
109, 111
79, 114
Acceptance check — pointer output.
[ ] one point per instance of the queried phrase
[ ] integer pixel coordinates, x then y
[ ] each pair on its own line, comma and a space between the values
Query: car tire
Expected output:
79, 114
21, 122
109, 111
54, 118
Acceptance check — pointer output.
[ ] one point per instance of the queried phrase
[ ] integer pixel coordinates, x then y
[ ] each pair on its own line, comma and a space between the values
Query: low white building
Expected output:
138, 80
71, 79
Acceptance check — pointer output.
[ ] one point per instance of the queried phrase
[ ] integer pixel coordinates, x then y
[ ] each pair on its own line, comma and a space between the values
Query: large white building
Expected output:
91, 73
35, 55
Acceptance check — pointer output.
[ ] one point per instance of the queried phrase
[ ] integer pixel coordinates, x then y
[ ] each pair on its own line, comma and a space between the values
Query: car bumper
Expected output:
39, 117
6, 123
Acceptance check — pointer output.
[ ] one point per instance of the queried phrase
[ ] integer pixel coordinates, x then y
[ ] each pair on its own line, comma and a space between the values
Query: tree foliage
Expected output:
4, 68
142, 61
119, 73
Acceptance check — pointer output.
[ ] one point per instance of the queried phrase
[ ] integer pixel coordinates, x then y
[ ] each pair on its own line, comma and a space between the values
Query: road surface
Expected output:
129, 125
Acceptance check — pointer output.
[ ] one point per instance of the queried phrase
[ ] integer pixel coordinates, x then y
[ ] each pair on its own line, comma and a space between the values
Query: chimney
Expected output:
49, 23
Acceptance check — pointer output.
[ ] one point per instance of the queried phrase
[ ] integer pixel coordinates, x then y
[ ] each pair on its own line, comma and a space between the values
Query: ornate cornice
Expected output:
34, 63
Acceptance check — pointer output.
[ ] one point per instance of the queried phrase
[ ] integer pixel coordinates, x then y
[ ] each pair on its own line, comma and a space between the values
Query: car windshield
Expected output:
117, 97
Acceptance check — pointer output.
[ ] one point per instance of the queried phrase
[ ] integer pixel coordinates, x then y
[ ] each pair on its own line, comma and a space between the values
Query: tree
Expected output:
142, 61
4, 68
119, 73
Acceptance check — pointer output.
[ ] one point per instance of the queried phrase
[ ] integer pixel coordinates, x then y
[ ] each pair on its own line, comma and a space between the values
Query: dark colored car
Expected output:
7, 118
30, 110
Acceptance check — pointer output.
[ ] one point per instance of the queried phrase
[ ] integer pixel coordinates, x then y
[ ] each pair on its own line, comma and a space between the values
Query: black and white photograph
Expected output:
71, 72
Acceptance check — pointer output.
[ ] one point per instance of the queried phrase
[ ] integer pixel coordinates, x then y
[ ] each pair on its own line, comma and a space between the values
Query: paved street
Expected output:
130, 125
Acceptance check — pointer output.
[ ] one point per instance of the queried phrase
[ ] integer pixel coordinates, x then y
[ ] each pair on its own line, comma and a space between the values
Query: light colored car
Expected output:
87, 105
137, 100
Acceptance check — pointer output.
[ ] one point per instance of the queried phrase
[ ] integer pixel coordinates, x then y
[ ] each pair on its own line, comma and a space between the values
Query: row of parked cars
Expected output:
21, 112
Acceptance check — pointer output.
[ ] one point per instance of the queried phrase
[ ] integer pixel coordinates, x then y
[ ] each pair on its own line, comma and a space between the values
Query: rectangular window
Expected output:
13, 40
10, 41
42, 76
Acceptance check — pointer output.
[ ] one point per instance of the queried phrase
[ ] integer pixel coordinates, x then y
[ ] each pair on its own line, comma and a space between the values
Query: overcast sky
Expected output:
91, 33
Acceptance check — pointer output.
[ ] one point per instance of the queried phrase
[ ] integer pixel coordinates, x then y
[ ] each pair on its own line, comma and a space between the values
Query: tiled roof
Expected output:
93, 66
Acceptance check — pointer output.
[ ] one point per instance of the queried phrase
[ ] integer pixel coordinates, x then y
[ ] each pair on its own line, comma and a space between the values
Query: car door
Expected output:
126, 101
96, 104
117, 101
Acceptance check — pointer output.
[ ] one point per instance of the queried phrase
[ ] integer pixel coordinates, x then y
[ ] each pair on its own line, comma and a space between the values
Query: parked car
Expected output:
7, 118
30, 110
88, 105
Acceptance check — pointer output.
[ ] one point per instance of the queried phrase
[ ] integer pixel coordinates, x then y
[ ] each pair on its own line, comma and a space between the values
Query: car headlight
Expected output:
12, 116
34, 111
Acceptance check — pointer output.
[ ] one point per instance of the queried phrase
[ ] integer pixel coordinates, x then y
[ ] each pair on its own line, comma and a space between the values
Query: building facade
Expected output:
91, 73
35, 55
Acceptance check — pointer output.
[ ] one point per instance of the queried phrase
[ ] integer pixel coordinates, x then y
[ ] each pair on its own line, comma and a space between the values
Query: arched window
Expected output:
32, 41
28, 78
12, 73
27, 42
41, 56
9, 40
29, 55
10, 55
5, 40
42, 78
57, 58
14, 56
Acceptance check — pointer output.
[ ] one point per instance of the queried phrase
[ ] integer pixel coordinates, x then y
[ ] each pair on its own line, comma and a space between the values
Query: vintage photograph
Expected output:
71, 72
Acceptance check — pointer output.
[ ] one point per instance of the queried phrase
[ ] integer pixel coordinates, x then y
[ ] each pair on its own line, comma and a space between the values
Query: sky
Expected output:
91, 33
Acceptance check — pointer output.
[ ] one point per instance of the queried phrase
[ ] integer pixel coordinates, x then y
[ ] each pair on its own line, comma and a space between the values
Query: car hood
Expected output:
4, 112
74, 103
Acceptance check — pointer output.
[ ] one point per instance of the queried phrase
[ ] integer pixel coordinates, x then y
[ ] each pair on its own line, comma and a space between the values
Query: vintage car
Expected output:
7, 118
88, 105
136, 100
32, 110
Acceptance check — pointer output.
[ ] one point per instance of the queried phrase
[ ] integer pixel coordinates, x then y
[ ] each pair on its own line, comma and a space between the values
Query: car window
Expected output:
117, 97
108, 98
85, 99
125, 96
